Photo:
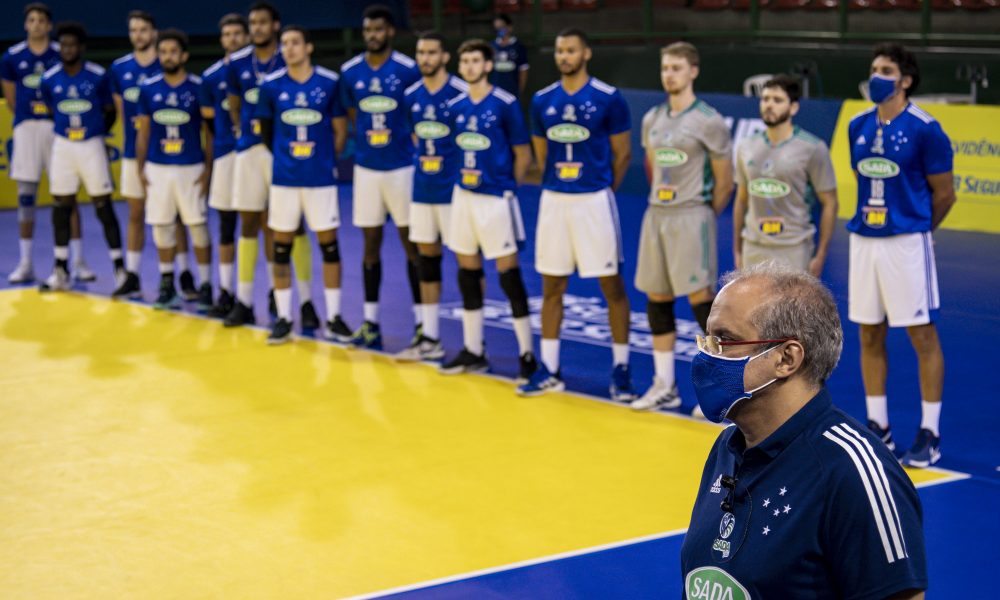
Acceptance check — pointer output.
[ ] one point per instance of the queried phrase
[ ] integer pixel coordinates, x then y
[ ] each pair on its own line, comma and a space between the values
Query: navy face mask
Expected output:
881, 88
718, 383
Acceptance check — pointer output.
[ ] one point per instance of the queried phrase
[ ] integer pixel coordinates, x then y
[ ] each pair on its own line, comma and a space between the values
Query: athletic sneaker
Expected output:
541, 382
465, 362
168, 298
697, 413
926, 450
310, 320
658, 396
272, 304
205, 297
423, 348
58, 281
621, 389
82, 273
222, 306
241, 314
528, 366
883, 434
129, 288
336, 330
281, 332
418, 334
368, 336
188, 290
22, 273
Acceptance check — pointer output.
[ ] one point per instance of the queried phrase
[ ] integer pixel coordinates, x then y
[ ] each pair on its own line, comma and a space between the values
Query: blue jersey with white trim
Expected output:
892, 162
174, 120
578, 129
25, 69
820, 509
381, 128
214, 93
508, 61
77, 101
486, 133
244, 74
126, 77
303, 114
438, 159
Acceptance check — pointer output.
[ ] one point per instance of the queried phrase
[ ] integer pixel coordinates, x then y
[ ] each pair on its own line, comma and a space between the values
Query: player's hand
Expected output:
738, 259
143, 179
203, 181
816, 265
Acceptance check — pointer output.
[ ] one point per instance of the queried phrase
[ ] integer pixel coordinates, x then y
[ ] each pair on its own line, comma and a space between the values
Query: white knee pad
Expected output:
165, 236
199, 235
27, 188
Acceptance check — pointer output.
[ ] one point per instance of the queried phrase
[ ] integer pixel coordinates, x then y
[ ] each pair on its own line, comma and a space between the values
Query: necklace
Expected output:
258, 75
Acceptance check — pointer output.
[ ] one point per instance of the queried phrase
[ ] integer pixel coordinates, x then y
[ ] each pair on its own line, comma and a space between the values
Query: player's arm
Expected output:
267, 132
142, 127
739, 219
209, 139
110, 116
234, 112
621, 155
827, 224
541, 147
119, 106
9, 94
522, 79
942, 196
339, 134
522, 159
722, 172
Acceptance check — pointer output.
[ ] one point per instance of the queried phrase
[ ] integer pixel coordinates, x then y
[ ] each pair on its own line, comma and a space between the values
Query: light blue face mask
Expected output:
502, 32
881, 88
718, 383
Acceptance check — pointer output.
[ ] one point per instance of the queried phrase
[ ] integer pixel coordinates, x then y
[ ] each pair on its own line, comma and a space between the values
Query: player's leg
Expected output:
397, 193
81, 272
91, 160
250, 200
193, 213
512, 283
62, 210
619, 319
427, 228
220, 197
135, 229
24, 272
926, 450
302, 262
189, 290
284, 219
472, 357
161, 215
321, 210
370, 213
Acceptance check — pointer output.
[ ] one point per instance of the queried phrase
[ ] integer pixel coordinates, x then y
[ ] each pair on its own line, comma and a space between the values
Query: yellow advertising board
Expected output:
975, 138
8, 189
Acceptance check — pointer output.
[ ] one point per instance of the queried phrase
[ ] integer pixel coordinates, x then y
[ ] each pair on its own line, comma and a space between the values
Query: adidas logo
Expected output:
920, 312
861, 140
717, 486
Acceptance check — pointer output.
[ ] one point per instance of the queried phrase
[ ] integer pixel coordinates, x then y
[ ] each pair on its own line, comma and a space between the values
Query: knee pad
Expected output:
513, 286
282, 253
199, 236
331, 252
165, 236
661, 317
430, 268
25, 213
27, 189
227, 227
471, 288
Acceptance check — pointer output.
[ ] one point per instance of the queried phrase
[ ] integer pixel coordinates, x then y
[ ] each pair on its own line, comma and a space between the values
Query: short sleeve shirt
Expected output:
214, 93
25, 68
126, 77
77, 101
174, 120
508, 61
244, 74
438, 159
486, 133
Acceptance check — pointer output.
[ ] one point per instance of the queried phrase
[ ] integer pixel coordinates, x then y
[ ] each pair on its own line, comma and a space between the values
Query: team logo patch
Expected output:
74, 106
252, 95
171, 116
712, 583
875, 217
378, 138
569, 171
131, 94
472, 142
669, 157
567, 133
878, 168
431, 130
378, 104
769, 188
32, 81
430, 165
298, 117
726, 525
504, 66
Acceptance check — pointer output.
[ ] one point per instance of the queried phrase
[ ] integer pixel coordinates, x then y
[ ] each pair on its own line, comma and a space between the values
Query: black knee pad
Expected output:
513, 285
331, 252
227, 227
282, 253
430, 268
661, 317
701, 312
61, 216
469, 283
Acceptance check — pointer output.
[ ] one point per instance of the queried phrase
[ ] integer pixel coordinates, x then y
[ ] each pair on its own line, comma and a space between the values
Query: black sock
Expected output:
373, 280
413, 270
112, 233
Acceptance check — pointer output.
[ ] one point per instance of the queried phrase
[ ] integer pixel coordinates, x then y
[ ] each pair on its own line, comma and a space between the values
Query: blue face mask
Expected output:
881, 88
502, 32
718, 383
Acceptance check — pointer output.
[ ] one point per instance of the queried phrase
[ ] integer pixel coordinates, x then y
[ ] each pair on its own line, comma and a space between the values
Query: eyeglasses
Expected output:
713, 344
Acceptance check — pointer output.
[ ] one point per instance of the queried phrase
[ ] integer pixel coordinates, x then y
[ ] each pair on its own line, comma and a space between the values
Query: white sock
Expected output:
418, 314
283, 298
115, 253
550, 355
432, 321
663, 362
332, 297
182, 261
61, 252
25, 246
204, 273
166, 267
226, 276
878, 410
472, 330
931, 416
132, 260
76, 251
619, 354
522, 331
244, 292
270, 275
371, 312
305, 289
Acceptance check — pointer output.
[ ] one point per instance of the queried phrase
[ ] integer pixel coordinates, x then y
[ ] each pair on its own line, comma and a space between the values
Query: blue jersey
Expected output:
25, 68
508, 62
215, 94
438, 158
303, 146
820, 509
892, 162
244, 74
126, 77
486, 133
174, 120
578, 128
382, 133
77, 102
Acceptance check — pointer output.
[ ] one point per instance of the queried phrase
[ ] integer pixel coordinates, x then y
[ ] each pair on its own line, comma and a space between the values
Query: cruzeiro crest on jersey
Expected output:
131, 94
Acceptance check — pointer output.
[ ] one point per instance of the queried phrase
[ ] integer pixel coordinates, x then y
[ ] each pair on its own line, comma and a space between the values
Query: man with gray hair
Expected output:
812, 504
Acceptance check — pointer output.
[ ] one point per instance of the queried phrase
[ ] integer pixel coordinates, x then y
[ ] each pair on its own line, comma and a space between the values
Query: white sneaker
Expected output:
423, 349
82, 273
23, 273
58, 281
658, 396
697, 413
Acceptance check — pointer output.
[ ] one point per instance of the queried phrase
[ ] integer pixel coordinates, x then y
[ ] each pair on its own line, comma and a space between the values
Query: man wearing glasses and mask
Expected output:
798, 500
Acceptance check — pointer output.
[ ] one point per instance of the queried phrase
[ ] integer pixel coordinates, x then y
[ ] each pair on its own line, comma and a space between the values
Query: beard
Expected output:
477, 79
267, 42
377, 47
777, 120
429, 71
568, 69
171, 70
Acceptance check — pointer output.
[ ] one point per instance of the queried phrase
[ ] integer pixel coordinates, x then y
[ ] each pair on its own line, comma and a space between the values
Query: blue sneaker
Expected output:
621, 389
368, 336
541, 382
926, 450
883, 434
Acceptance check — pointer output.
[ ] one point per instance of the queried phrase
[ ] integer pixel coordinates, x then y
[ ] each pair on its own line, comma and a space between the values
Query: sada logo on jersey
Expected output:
712, 583
769, 188
669, 157
878, 168
74, 106
171, 116
431, 130
252, 95
567, 133
378, 104
32, 81
298, 117
131, 94
472, 142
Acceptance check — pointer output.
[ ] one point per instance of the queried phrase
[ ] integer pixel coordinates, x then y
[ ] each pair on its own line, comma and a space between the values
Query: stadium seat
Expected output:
745, 4
579, 4
944, 4
787, 4
547, 5
711, 4
507, 6
754, 85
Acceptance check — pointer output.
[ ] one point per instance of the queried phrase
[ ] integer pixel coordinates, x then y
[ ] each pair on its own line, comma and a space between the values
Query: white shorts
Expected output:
491, 224
381, 193
32, 150
894, 277
430, 223
174, 189
289, 204
131, 186
252, 182
578, 232
73, 162
220, 192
